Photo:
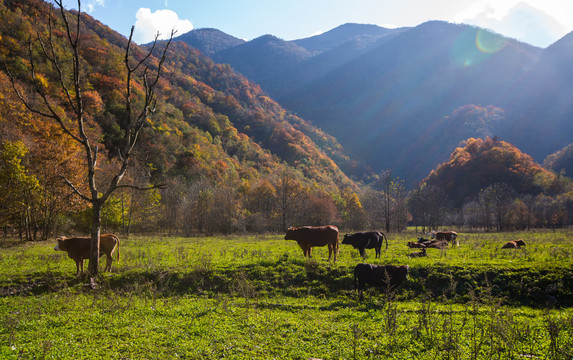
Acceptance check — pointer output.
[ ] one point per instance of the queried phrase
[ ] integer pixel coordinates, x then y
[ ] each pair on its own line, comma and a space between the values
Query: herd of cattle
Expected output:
307, 237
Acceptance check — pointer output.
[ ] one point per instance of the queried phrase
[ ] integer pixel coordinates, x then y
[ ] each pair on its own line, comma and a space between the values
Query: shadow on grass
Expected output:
528, 287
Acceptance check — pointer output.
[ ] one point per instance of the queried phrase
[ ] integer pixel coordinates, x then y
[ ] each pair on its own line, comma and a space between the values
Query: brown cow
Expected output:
449, 236
442, 244
78, 249
514, 244
309, 236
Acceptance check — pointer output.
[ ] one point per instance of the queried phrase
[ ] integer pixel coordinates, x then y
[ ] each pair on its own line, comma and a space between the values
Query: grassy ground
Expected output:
257, 297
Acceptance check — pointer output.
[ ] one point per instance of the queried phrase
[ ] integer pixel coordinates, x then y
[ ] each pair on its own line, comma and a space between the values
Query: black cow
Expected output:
423, 241
366, 240
389, 276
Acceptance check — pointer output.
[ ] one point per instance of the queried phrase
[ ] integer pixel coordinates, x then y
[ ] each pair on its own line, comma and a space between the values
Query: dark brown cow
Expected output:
309, 236
514, 244
418, 253
389, 276
449, 236
78, 249
415, 245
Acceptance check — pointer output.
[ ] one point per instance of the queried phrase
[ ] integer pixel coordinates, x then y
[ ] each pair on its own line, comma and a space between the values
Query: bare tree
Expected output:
73, 120
288, 192
428, 206
393, 200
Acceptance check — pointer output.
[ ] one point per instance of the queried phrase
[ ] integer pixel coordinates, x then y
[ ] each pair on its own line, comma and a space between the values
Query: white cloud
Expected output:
148, 24
516, 20
90, 5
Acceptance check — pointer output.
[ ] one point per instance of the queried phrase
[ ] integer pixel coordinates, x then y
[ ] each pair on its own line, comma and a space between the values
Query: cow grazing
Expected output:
366, 240
78, 249
388, 276
310, 236
514, 244
449, 236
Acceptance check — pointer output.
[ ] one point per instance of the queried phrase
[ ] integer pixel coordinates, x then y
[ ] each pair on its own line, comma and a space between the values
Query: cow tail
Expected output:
117, 238
336, 247
385, 238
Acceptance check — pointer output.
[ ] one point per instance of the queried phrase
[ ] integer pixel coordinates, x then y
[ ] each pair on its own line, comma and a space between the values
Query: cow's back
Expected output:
77, 248
317, 235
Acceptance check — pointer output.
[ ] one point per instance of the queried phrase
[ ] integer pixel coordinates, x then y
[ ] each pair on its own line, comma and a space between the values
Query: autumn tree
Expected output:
57, 76
351, 209
17, 187
288, 195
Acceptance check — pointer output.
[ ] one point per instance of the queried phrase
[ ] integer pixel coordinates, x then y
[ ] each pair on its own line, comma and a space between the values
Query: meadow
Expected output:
256, 297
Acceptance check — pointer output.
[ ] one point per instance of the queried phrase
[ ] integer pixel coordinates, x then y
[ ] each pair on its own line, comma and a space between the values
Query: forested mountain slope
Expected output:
393, 97
210, 125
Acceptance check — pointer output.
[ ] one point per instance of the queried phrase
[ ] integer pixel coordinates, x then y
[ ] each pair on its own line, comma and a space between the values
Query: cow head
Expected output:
290, 234
346, 239
60, 245
520, 242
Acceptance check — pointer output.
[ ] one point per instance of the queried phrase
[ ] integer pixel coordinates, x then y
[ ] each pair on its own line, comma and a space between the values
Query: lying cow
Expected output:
418, 253
514, 244
388, 276
449, 236
309, 236
366, 240
416, 245
442, 244
78, 249
423, 241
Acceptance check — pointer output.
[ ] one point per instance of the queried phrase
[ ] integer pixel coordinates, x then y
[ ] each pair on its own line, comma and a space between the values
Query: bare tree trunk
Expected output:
70, 85
95, 235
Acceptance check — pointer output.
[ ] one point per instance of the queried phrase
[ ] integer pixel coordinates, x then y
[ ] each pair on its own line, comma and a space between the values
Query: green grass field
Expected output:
256, 297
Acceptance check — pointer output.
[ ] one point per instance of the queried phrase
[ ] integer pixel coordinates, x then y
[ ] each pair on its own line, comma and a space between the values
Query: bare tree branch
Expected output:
151, 187
74, 189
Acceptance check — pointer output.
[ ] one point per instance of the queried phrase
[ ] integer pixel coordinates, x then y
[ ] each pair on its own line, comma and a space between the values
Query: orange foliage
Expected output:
483, 162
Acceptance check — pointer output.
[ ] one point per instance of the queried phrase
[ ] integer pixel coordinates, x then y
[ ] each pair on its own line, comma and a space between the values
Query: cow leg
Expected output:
378, 249
309, 250
108, 262
330, 252
79, 267
362, 252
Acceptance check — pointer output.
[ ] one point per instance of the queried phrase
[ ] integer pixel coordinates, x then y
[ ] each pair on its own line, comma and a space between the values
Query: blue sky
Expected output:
538, 22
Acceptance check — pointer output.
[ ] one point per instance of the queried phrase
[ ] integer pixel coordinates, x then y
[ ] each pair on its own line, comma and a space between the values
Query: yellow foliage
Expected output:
41, 81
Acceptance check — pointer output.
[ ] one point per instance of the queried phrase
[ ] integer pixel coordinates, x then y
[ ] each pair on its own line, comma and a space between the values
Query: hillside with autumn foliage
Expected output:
561, 161
219, 155
483, 162
210, 125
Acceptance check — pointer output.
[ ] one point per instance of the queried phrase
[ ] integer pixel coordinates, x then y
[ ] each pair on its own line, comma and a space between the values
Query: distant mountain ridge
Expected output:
209, 41
348, 32
389, 95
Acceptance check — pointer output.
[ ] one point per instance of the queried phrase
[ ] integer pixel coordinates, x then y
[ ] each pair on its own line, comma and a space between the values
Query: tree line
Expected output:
203, 175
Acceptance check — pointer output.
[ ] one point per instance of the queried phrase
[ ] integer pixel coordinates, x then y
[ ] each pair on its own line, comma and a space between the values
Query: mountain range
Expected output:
404, 99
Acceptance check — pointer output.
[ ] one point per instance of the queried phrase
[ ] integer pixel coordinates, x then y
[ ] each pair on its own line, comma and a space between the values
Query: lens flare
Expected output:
474, 46
488, 42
